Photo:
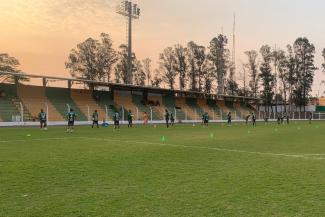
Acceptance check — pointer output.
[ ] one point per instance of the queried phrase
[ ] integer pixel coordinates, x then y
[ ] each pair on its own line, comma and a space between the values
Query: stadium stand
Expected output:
236, 114
61, 99
242, 110
192, 103
19, 99
223, 108
181, 103
33, 97
105, 99
159, 107
213, 114
10, 105
138, 100
170, 104
124, 99
87, 104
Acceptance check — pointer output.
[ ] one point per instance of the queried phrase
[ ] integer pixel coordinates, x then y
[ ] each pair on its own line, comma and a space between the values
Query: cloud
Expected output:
58, 15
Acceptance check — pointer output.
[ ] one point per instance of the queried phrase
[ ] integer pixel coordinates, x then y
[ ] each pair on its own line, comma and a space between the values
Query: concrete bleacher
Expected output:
34, 99
8, 109
124, 99
159, 110
192, 103
56, 102
169, 103
218, 111
61, 100
105, 99
223, 108
243, 109
137, 99
190, 113
213, 114
87, 104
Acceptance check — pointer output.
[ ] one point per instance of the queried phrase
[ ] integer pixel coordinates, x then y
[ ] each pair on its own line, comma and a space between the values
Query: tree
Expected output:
266, 76
283, 75
167, 64
304, 55
147, 69
139, 74
156, 79
121, 68
9, 64
208, 77
231, 85
180, 65
291, 78
219, 56
252, 66
196, 58
92, 59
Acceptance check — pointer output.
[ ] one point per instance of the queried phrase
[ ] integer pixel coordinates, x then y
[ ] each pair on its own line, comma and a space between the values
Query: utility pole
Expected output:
131, 11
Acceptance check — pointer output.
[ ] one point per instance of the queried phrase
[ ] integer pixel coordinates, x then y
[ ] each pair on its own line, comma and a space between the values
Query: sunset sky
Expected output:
40, 33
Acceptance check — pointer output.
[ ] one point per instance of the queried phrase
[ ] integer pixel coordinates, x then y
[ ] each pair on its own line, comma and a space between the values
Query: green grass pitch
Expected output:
187, 170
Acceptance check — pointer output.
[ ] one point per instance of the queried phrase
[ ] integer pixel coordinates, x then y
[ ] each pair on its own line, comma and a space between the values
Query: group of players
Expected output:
169, 118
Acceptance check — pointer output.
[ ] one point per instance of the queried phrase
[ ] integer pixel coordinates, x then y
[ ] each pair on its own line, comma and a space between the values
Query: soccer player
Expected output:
167, 118
282, 118
229, 118
206, 119
71, 116
116, 119
203, 118
172, 119
145, 118
95, 119
254, 118
43, 120
130, 118
288, 118
278, 118
310, 117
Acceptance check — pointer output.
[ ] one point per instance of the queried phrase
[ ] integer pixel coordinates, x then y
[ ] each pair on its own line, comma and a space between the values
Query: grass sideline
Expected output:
268, 170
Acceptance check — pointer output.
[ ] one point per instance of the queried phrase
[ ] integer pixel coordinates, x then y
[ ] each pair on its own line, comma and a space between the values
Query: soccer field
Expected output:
187, 170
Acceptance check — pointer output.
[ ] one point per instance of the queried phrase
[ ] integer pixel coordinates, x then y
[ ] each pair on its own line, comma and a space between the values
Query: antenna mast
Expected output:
234, 44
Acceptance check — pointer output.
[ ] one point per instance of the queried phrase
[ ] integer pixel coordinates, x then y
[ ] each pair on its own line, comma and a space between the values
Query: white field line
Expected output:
303, 156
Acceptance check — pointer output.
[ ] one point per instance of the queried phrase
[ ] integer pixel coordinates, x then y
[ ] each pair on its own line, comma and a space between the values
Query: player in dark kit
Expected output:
42, 119
310, 117
254, 119
229, 118
95, 119
172, 119
167, 118
278, 118
206, 119
116, 119
130, 119
71, 116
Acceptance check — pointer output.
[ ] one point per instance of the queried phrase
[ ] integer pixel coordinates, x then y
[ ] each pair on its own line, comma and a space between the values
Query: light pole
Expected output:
130, 11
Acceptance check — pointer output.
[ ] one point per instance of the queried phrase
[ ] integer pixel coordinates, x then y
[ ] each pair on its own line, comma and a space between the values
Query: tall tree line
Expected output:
277, 76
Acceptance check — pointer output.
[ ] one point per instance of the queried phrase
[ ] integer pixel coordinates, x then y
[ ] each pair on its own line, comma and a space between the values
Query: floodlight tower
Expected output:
130, 11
